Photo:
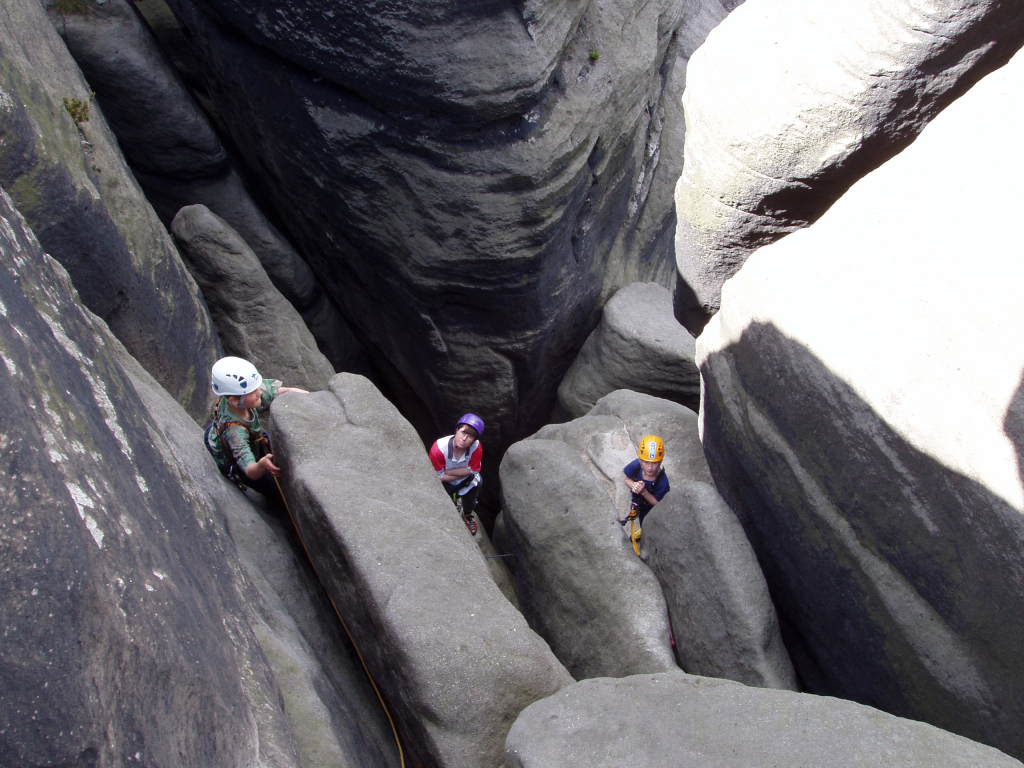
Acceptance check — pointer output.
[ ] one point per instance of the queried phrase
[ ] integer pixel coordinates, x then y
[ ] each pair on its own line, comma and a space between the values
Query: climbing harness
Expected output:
380, 698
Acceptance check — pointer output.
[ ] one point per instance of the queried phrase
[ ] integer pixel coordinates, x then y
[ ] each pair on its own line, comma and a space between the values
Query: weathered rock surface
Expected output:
579, 583
72, 185
874, 457
471, 203
153, 611
638, 345
332, 712
453, 657
253, 319
839, 90
668, 720
177, 156
578, 580
123, 611
722, 616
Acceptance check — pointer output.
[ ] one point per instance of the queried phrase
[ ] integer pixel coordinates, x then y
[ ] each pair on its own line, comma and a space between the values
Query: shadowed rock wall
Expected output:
177, 155
470, 182
74, 188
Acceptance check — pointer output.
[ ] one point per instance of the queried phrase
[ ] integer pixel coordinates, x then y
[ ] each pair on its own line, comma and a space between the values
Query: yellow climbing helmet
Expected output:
652, 448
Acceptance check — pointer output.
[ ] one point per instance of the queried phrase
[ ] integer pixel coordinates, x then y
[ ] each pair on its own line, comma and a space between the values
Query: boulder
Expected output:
62, 167
638, 345
253, 319
469, 182
722, 616
839, 90
578, 580
579, 583
177, 156
454, 659
863, 415
667, 720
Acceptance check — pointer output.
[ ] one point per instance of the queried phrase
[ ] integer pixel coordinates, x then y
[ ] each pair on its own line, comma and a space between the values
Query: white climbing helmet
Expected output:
235, 376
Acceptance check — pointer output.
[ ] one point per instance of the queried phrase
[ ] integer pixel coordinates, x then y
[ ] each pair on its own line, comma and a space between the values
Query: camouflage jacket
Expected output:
237, 443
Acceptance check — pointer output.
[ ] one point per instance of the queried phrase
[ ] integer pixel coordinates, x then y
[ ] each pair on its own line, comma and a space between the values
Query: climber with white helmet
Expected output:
235, 436
647, 482
458, 460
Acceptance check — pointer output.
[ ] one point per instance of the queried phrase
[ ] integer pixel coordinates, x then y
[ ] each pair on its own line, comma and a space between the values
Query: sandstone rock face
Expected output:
72, 185
471, 203
668, 720
153, 611
838, 91
253, 319
638, 345
332, 712
452, 656
124, 618
722, 615
178, 158
876, 464
580, 584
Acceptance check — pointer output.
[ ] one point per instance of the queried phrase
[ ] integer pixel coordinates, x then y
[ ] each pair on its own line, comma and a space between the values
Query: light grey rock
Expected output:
722, 616
497, 564
452, 656
253, 319
578, 579
124, 609
638, 345
874, 457
635, 415
470, 183
177, 156
72, 184
839, 90
582, 588
668, 720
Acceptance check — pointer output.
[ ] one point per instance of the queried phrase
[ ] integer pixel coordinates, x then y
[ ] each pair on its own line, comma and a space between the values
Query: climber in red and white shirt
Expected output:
458, 460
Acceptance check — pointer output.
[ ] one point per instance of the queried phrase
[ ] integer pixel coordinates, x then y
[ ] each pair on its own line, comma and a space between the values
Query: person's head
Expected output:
237, 380
651, 453
469, 426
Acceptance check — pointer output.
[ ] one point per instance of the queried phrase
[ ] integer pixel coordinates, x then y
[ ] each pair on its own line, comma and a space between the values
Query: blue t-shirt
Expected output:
657, 487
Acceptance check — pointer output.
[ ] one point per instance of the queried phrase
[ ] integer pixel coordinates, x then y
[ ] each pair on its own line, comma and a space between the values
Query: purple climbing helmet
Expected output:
474, 421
